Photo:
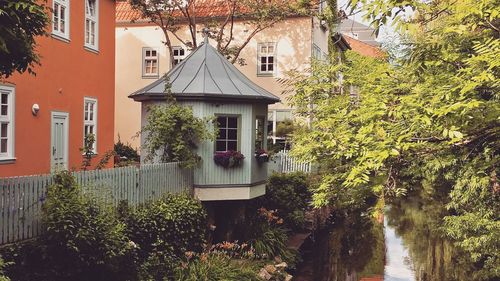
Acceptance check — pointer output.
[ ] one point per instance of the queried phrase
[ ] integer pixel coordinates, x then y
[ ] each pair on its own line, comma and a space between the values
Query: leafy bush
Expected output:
163, 231
173, 133
2, 274
126, 150
267, 237
215, 267
82, 238
288, 194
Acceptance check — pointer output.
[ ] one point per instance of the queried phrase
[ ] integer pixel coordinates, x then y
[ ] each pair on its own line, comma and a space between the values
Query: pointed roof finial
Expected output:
205, 31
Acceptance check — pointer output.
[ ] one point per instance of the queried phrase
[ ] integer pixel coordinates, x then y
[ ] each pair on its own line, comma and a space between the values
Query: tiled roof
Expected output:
204, 8
364, 48
125, 13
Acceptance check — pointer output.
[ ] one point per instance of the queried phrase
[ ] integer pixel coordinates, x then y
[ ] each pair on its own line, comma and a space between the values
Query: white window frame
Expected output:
178, 58
57, 11
9, 119
226, 139
152, 58
93, 122
267, 54
91, 19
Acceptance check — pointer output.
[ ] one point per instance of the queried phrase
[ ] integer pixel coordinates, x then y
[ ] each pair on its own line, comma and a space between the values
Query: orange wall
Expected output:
67, 74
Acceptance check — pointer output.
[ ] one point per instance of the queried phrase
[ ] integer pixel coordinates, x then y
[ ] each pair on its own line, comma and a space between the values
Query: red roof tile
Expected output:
363, 48
204, 8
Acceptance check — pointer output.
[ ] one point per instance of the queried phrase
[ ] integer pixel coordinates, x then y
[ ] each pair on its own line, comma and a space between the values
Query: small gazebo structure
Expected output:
208, 83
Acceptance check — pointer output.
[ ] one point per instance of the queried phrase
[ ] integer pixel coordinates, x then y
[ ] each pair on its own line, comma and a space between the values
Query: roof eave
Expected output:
140, 97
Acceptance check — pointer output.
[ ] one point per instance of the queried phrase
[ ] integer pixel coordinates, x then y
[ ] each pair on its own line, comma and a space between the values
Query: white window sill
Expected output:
265, 74
7, 160
60, 37
94, 50
156, 76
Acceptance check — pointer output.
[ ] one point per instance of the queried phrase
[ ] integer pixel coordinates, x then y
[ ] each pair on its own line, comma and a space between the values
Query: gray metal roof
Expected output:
206, 75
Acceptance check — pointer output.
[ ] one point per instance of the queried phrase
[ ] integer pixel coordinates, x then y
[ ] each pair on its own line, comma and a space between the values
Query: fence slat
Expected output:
21, 198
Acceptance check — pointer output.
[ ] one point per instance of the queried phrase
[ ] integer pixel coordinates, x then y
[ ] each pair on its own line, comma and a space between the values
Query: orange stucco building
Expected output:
43, 118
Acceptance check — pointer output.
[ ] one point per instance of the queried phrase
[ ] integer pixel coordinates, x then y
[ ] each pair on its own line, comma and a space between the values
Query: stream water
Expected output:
407, 246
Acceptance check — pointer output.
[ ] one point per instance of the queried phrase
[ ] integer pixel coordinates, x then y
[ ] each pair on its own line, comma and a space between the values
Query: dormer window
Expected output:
60, 18
91, 24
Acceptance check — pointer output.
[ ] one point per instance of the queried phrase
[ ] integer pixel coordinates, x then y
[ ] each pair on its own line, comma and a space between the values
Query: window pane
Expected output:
270, 59
263, 68
4, 98
222, 134
4, 110
270, 67
87, 31
222, 122
153, 53
232, 134
263, 49
3, 130
220, 146
63, 21
148, 53
92, 33
181, 52
232, 145
263, 59
232, 122
270, 49
3, 146
176, 52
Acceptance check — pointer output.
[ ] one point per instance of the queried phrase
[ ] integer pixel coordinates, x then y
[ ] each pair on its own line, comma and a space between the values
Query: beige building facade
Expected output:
142, 58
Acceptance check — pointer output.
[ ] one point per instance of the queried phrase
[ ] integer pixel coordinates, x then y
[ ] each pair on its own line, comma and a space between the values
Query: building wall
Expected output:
359, 32
67, 74
293, 38
209, 174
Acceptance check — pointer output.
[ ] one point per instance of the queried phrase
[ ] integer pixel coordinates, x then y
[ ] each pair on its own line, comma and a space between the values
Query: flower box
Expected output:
261, 156
229, 159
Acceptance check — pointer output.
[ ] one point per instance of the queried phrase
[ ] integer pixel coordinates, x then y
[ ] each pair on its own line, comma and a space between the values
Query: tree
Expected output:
172, 15
20, 22
428, 122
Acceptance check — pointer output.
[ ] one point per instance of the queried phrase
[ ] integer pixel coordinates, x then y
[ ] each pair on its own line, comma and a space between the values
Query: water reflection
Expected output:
398, 266
353, 248
350, 247
417, 221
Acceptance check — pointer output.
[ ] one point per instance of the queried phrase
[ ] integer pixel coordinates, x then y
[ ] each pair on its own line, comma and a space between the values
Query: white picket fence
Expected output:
21, 198
282, 162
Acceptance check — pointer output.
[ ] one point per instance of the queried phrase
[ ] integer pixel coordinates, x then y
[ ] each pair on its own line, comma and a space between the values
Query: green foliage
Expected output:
20, 22
427, 122
289, 195
163, 230
215, 267
2, 273
82, 238
172, 133
125, 150
259, 15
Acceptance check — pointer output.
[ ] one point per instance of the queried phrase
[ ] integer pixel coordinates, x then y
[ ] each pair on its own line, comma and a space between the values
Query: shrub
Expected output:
288, 194
126, 150
82, 238
215, 267
163, 231
2, 274
266, 235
